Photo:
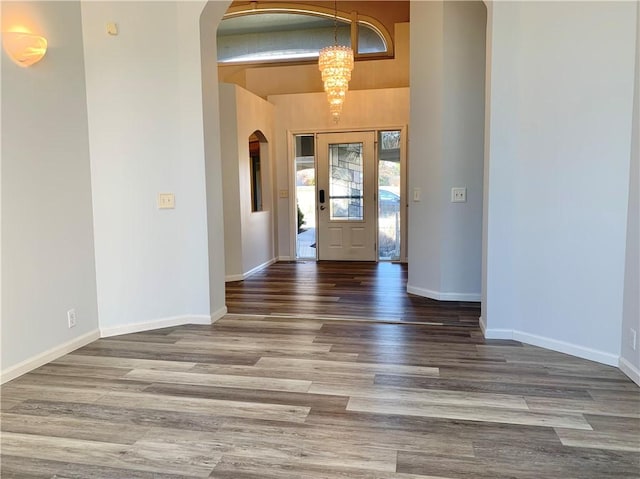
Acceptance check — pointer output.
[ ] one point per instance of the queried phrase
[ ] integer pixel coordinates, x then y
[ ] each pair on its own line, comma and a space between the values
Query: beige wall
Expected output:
248, 235
286, 79
309, 113
230, 181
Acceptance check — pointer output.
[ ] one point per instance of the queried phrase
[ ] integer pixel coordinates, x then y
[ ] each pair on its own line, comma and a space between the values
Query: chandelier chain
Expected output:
335, 22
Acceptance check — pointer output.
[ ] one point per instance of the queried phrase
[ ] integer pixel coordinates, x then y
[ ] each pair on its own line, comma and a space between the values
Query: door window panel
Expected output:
389, 210
305, 196
346, 182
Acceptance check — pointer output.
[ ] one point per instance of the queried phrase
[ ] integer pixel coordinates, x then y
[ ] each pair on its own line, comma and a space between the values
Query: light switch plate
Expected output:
417, 193
283, 193
166, 201
458, 195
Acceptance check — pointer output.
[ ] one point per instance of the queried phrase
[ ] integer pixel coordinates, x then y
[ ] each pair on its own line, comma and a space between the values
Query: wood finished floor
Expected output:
342, 289
282, 397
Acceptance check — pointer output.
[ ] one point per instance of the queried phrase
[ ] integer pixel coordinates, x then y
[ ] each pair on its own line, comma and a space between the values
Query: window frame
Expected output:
353, 19
255, 175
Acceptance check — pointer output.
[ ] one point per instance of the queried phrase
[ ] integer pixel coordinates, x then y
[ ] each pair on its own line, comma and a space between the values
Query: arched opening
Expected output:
278, 83
257, 143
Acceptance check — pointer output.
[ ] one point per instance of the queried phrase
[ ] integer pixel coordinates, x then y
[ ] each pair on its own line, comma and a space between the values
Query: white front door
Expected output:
346, 196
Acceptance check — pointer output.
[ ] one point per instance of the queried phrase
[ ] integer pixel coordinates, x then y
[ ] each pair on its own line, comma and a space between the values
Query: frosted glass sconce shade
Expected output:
24, 49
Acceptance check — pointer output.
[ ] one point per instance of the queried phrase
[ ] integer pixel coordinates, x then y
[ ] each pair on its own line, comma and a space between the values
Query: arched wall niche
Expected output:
258, 162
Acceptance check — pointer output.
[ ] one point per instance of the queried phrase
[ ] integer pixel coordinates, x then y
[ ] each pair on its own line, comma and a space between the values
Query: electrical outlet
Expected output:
634, 339
71, 318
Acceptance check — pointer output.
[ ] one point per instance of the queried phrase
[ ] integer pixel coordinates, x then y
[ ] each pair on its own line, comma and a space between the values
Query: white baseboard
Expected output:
483, 326
285, 258
243, 276
219, 314
260, 267
58, 351
554, 345
48, 356
494, 333
233, 277
157, 324
427, 293
630, 370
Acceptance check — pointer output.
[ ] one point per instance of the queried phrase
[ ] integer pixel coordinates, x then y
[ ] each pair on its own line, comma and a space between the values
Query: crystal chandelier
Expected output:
336, 63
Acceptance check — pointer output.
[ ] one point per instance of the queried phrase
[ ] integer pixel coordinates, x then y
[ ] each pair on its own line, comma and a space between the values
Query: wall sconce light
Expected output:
23, 48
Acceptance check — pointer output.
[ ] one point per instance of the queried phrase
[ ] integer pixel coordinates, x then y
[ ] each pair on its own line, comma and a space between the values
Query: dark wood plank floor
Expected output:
343, 289
295, 398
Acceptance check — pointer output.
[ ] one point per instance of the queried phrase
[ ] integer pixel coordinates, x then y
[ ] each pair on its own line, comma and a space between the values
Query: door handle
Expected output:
321, 196
322, 207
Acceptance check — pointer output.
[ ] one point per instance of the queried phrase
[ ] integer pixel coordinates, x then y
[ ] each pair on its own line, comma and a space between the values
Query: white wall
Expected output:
209, 20
47, 233
146, 136
501, 103
463, 145
248, 235
630, 358
425, 147
309, 113
558, 173
447, 138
